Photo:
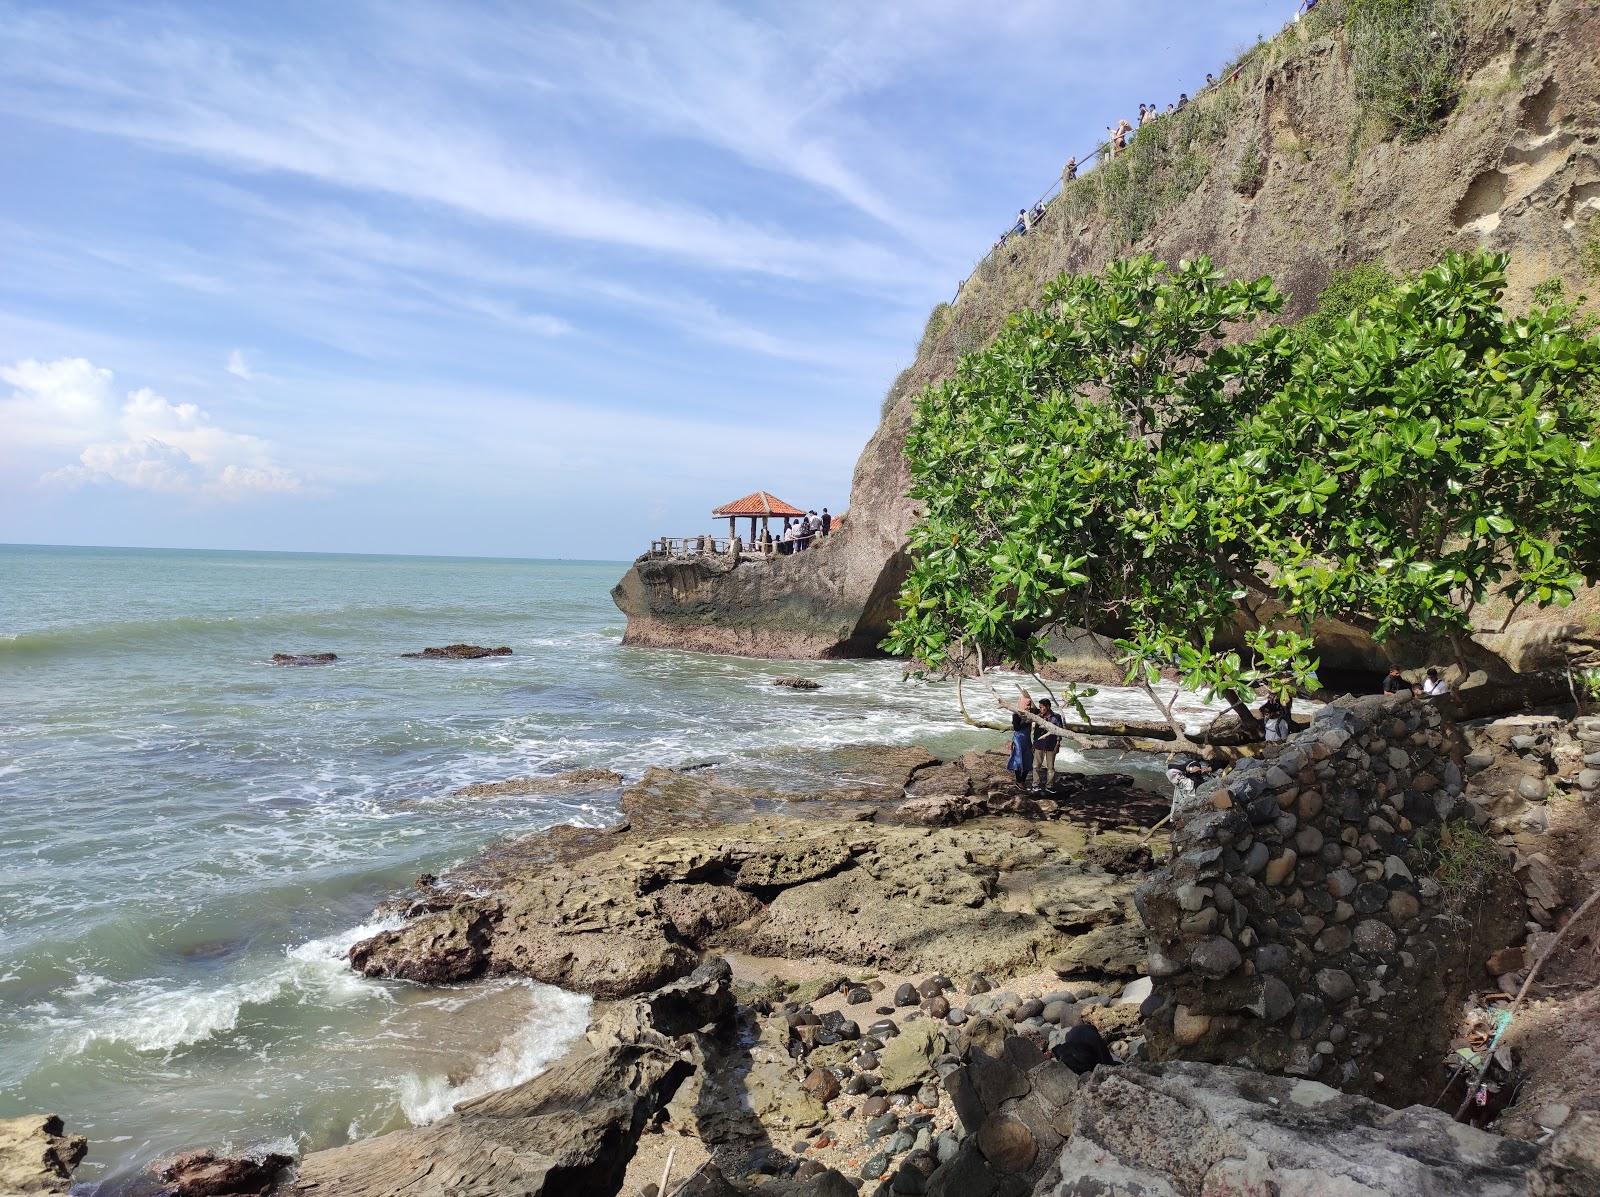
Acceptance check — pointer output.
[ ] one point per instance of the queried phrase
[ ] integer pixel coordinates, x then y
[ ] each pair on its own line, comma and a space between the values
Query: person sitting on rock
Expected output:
1434, 686
1045, 747
1395, 683
1021, 761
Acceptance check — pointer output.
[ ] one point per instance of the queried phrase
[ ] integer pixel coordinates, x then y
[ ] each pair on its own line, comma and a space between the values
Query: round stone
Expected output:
1274, 1002
1007, 1143
1256, 859
1533, 789
936, 1007
1335, 984
906, 995
1403, 906
1307, 841
1370, 897
1333, 940
1280, 868
1215, 957
1056, 1012
1373, 936
978, 984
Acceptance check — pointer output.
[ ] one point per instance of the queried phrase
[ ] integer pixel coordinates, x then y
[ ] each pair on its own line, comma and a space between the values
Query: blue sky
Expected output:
522, 279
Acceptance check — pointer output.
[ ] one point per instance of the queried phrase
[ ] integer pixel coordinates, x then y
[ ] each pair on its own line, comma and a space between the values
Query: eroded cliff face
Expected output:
1515, 168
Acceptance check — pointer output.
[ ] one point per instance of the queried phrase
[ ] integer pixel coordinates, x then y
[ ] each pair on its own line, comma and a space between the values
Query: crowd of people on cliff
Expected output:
799, 533
1120, 134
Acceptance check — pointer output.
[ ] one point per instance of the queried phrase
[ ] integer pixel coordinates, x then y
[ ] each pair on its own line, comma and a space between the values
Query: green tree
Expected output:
1114, 461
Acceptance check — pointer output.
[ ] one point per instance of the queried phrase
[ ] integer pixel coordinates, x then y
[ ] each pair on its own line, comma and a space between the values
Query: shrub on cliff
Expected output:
1111, 462
1406, 57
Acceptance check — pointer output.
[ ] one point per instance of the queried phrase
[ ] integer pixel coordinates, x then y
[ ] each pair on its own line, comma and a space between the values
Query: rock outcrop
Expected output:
304, 658
570, 1130
1514, 167
37, 1155
207, 1174
1193, 1130
638, 912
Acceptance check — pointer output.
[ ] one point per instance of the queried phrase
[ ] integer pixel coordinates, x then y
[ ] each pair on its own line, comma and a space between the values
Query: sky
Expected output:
531, 279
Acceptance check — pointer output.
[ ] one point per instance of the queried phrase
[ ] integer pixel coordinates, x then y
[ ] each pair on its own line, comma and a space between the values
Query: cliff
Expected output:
1280, 171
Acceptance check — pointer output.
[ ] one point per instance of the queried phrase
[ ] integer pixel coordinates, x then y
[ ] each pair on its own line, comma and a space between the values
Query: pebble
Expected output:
875, 1166
858, 995
978, 984
883, 1124
1336, 984
906, 995
956, 1017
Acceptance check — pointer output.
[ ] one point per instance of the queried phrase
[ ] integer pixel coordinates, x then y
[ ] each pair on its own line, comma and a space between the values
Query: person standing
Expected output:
1045, 746
827, 523
1021, 761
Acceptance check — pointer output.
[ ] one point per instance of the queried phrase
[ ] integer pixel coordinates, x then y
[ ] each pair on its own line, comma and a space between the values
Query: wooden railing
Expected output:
665, 547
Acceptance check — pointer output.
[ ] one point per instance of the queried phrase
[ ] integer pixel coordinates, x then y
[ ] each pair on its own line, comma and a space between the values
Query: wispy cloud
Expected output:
238, 366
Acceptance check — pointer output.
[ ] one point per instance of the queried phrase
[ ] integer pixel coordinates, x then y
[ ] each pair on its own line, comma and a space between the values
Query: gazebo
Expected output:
759, 506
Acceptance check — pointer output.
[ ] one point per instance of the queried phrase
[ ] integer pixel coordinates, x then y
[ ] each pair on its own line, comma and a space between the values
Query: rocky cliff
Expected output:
1281, 172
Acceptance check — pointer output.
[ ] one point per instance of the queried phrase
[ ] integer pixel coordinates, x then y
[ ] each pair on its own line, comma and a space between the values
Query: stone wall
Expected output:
1296, 929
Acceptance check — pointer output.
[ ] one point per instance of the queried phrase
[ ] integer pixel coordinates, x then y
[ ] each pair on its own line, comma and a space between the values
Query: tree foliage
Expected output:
1137, 455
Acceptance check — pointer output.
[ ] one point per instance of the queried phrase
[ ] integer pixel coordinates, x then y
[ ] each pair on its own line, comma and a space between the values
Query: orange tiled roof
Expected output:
758, 504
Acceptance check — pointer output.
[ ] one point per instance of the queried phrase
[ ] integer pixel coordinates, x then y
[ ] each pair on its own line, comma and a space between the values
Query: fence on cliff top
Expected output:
1102, 151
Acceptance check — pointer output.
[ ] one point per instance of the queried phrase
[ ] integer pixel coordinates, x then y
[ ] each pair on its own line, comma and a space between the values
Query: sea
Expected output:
191, 837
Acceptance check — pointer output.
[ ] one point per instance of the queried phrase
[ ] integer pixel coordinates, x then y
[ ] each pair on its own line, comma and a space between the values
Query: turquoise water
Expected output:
190, 837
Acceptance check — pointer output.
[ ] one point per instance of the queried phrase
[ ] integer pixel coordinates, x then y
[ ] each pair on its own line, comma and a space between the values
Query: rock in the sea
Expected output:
458, 652
1185, 1128
206, 1174
797, 683
304, 658
556, 783
37, 1155
570, 1130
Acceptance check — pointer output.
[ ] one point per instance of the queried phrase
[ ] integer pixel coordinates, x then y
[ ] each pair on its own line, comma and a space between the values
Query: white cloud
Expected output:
239, 367
145, 442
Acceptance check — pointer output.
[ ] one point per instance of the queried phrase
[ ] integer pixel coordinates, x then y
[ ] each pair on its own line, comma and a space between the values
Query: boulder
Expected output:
906, 1061
37, 1155
1117, 950
572, 1129
1183, 1129
206, 1174
797, 683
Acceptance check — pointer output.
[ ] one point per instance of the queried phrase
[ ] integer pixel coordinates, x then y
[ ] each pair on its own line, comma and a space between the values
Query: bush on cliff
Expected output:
1112, 462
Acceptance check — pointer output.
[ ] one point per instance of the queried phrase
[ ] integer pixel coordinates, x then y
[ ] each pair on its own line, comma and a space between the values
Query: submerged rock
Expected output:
458, 652
797, 683
573, 779
304, 658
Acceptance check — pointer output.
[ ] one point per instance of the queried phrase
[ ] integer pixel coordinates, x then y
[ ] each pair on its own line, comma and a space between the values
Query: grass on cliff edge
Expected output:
1406, 59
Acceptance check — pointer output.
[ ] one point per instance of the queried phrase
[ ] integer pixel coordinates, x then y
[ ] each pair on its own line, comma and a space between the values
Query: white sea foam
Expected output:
555, 1020
150, 1017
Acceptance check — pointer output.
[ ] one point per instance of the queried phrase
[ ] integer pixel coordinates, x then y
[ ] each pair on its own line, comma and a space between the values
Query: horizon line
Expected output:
136, 548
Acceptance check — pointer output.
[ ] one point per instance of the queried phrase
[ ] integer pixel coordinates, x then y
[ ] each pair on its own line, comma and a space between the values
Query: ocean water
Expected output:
191, 837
